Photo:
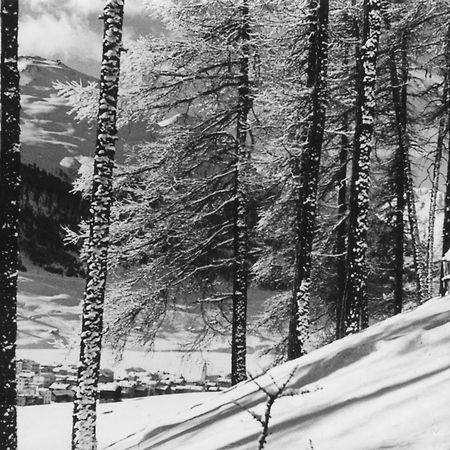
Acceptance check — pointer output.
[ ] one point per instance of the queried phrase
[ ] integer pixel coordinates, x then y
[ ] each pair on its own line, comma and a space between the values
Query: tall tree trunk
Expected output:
84, 414
341, 230
399, 231
240, 275
309, 176
9, 220
443, 285
433, 204
355, 299
399, 97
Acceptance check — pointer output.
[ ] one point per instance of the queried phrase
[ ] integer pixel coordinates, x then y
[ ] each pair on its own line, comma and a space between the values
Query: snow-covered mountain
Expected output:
49, 135
51, 138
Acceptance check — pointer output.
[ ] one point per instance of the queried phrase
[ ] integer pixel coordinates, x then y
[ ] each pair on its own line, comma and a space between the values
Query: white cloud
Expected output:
80, 7
58, 37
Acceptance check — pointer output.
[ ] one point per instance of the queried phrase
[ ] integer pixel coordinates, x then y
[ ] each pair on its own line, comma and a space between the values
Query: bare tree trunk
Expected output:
341, 231
84, 414
9, 220
443, 284
399, 96
309, 176
433, 205
355, 299
240, 276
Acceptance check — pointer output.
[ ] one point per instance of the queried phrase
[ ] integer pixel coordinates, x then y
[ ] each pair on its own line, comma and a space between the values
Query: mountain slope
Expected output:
51, 138
387, 387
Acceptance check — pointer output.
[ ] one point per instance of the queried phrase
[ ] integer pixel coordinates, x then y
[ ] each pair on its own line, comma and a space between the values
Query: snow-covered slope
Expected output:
386, 388
48, 427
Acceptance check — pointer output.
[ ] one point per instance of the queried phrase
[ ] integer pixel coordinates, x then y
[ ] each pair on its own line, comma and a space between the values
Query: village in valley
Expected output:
39, 384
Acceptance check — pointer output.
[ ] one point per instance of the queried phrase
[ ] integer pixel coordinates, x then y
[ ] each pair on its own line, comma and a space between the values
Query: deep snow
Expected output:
385, 388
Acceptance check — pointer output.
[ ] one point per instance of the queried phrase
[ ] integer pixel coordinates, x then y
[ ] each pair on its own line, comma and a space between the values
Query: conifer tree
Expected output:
355, 297
240, 238
9, 218
443, 285
305, 171
84, 414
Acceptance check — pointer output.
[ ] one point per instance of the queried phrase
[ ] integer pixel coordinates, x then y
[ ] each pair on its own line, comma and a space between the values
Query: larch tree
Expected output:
84, 414
305, 170
443, 284
190, 182
355, 296
399, 95
9, 220
240, 238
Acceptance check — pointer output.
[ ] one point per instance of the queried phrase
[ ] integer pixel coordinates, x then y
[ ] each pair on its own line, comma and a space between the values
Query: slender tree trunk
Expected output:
341, 231
9, 220
84, 415
433, 205
355, 299
309, 176
240, 276
399, 231
399, 96
443, 285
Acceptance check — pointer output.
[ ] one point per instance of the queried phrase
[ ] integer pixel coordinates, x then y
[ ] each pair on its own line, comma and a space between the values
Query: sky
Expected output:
69, 30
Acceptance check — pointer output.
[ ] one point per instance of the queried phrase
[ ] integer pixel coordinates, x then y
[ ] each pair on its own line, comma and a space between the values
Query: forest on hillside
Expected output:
297, 146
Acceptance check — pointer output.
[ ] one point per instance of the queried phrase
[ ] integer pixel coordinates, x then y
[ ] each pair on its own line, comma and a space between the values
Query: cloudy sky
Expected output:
69, 30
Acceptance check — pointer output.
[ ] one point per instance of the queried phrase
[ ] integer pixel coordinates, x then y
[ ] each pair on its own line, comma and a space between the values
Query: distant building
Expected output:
57, 386
109, 392
62, 395
45, 379
27, 365
186, 388
224, 381
25, 381
46, 395
127, 388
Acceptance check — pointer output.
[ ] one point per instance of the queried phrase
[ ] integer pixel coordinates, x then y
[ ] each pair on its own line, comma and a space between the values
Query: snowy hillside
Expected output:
387, 387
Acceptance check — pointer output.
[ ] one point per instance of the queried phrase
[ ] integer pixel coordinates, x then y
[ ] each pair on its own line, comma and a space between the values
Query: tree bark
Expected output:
433, 205
341, 231
399, 97
84, 415
240, 240
9, 220
308, 177
355, 299
443, 284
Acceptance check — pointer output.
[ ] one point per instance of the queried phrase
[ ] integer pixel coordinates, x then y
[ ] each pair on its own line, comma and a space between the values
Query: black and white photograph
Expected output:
224, 224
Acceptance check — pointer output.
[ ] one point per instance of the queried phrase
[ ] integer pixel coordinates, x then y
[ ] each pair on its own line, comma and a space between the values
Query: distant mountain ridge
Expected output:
53, 143
51, 138
49, 134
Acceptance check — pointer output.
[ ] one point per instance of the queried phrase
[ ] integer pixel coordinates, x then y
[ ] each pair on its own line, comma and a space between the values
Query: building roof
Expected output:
62, 392
59, 386
108, 387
